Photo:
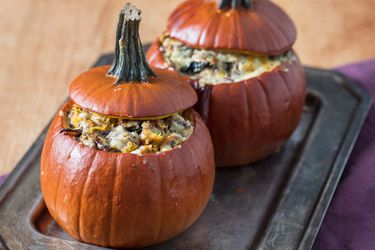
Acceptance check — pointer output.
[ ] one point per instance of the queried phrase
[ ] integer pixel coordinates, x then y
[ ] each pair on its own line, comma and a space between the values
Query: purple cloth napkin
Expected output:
350, 220
2, 179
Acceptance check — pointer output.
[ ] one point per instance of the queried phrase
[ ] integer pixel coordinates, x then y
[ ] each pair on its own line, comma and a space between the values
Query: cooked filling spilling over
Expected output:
128, 136
216, 67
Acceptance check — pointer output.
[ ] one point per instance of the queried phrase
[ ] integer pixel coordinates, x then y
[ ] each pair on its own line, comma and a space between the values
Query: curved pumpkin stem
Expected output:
130, 64
225, 4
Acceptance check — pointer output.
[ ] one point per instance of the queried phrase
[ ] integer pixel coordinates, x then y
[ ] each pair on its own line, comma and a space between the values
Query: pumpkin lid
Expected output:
255, 26
130, 87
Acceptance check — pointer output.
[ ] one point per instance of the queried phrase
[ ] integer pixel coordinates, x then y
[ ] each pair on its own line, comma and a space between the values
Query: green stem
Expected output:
225, 4
130, 64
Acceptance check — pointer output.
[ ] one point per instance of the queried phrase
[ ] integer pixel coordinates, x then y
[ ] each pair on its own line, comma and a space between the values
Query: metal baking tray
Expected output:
278, 203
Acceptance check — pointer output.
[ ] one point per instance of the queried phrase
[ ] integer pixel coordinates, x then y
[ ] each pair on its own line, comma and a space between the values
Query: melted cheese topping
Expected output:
127, 136
217, 67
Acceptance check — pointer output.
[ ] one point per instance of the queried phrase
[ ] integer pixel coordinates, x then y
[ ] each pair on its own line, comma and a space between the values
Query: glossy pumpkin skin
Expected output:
125, 200
166, 93
264, 29
251, 119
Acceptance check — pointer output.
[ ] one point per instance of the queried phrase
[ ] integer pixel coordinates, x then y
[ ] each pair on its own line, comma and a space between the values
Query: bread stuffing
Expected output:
127, 136
216, 67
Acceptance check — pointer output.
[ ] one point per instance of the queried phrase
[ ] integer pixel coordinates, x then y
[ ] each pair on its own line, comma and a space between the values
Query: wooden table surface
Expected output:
44, 44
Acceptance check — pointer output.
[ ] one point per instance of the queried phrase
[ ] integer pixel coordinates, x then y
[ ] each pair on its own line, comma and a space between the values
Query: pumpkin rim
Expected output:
246, 52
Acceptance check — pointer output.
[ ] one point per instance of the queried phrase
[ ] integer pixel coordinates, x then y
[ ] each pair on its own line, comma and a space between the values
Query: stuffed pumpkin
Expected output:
238, 55
127, 162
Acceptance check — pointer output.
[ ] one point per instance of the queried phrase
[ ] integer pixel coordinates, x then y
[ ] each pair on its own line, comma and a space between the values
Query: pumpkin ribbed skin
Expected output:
249, 120
166, 93
264, 29
255, 116
125, 200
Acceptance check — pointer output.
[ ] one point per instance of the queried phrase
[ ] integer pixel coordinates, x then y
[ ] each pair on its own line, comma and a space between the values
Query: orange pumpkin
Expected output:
251, 118
119, 199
